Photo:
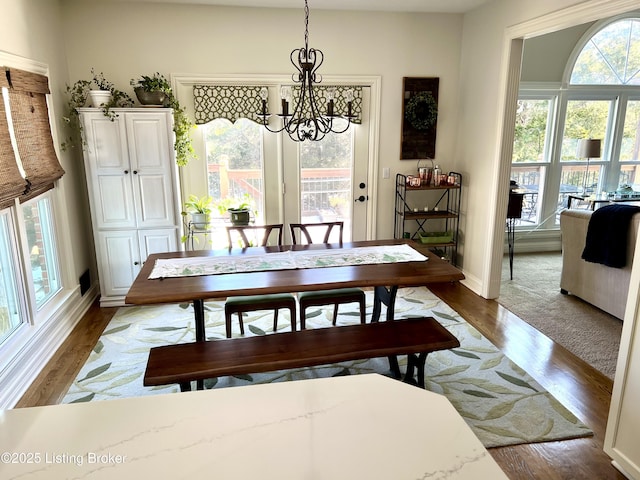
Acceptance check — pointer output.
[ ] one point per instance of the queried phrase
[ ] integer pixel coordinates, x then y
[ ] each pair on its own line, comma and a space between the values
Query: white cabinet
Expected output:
133, 192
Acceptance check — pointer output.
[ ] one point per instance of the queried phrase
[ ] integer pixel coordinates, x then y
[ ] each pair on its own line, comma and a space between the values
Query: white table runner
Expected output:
196, 266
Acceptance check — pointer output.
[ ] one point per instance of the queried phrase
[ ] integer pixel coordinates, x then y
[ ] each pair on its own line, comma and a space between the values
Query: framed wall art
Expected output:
419, 117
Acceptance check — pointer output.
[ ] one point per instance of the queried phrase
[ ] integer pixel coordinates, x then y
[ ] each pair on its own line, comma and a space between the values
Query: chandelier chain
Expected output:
306, 26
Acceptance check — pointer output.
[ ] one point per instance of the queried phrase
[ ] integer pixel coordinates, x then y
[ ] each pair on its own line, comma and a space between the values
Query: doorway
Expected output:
515, 37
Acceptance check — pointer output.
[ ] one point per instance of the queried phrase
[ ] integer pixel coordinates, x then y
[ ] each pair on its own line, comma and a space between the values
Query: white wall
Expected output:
545, 57
33, 29
134, 39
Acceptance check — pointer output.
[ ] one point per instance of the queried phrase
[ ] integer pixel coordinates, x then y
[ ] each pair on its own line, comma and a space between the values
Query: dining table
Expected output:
385, 277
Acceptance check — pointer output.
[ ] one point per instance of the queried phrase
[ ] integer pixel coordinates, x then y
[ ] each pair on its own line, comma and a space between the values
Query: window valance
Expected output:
340, 104
27, 116
242, 101
226, 101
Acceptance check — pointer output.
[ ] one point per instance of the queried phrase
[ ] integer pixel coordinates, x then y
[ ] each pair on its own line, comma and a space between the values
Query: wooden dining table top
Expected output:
185, 289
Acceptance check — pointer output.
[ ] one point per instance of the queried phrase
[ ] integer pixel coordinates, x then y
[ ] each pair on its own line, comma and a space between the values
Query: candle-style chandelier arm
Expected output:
306, 122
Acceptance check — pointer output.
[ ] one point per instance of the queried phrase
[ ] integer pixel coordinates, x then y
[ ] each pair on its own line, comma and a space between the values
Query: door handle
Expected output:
362, 198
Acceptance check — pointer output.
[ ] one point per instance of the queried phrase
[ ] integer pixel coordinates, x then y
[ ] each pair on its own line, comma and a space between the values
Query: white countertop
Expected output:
354, 427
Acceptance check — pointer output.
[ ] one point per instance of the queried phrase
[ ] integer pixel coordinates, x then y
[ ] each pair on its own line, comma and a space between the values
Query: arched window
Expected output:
611, 56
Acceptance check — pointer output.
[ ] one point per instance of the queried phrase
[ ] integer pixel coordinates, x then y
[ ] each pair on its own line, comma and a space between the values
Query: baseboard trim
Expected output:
535, 241
38, 350
472, 283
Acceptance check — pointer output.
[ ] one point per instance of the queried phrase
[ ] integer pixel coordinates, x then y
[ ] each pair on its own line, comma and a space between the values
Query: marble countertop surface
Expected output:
354, 427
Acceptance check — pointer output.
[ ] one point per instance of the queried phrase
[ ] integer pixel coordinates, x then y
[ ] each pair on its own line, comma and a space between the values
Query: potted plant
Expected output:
240, 215
106, 97
239, 210
150, 89
200, 210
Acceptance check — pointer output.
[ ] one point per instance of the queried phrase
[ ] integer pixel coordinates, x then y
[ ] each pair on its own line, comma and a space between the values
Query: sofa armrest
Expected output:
602, 286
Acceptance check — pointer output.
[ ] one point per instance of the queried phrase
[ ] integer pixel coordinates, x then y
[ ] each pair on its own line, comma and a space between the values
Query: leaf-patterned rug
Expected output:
501, 402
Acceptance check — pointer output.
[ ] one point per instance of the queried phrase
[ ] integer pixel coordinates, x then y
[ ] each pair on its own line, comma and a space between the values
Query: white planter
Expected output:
200, 221
99, 97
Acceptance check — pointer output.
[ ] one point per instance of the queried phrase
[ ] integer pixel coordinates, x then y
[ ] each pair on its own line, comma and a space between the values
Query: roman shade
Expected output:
12, 183
29, 117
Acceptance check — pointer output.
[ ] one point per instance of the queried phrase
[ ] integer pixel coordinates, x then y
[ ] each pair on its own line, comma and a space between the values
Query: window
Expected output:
531, 157
610, 56
41, 280
235, 171
584, 119
601, 100
630, 146
43, 259
29, 260
234, 168
326, 179
11, 315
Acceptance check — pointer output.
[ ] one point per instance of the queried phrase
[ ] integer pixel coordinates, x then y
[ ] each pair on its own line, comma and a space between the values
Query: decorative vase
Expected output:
239, 217
200, 221
150, 98
99, 98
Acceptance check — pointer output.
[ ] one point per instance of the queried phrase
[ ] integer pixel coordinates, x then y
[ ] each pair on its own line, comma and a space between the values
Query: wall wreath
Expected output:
421, 111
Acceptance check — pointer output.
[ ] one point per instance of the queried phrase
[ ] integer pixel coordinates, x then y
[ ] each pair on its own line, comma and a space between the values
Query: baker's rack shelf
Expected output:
429, 214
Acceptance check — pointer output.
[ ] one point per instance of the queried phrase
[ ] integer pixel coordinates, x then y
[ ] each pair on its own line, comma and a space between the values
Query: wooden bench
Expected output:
415, 337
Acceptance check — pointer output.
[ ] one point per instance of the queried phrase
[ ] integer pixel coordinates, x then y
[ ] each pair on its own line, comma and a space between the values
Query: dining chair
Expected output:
246, 236
254, 235
308, 233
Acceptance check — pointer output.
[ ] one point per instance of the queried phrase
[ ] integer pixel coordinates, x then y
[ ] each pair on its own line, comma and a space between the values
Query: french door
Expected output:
327, 181
282, 180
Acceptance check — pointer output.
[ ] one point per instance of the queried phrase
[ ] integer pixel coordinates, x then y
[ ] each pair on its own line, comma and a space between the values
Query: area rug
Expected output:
502, 404
534, 295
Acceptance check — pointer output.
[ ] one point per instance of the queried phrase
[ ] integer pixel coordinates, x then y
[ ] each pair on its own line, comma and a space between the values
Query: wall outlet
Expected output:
385, 172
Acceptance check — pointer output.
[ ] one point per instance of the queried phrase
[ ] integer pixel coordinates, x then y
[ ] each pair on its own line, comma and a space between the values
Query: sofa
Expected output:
602, 286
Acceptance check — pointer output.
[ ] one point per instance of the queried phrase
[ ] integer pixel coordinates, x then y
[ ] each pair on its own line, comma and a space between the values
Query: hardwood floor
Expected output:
578, 386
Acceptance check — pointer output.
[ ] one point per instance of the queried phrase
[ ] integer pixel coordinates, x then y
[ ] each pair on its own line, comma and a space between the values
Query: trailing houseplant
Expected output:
155, 84
79, 94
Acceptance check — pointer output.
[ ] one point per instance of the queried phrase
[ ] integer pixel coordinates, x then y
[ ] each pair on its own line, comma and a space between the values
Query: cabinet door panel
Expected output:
157, 209
114, 207
119, 261
106, 143
157, 241
152, 165
107, 164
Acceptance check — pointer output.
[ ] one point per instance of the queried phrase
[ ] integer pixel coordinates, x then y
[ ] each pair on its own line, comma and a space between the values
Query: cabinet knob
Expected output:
135, 172
136, 263
126, 172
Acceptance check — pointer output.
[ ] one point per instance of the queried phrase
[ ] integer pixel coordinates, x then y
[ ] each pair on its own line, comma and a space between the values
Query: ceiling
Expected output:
433, 6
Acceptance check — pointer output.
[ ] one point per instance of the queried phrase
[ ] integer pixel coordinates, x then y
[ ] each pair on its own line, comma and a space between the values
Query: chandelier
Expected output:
307, 121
